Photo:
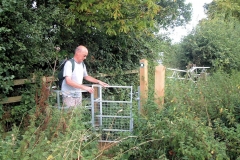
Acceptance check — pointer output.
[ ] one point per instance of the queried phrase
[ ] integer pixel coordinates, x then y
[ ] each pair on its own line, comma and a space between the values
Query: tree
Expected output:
114, 17
173, 13
226, 8
214, 43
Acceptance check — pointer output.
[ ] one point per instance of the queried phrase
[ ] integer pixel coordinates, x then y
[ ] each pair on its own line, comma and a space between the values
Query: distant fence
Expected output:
192, 74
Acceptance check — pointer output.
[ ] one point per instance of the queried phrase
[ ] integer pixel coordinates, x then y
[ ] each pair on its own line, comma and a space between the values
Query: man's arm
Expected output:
94, 80
70, 82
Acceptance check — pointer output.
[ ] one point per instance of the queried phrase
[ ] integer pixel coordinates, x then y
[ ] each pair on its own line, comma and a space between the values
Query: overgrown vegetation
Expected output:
32, 30
65, 137
199, 120
51, 134
202, 124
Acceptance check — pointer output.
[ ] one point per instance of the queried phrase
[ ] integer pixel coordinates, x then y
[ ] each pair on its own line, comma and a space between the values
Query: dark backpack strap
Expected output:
73, 64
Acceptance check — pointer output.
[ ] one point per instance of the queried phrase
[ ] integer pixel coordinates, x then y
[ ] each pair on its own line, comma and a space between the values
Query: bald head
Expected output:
81, 53
81, 49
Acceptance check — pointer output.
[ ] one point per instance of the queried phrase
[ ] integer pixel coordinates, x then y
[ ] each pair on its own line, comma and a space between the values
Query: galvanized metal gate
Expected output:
111, 111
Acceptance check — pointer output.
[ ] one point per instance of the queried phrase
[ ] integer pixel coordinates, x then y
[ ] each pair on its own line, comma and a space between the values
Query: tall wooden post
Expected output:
96, 106
101, 145
159, 85
143, 83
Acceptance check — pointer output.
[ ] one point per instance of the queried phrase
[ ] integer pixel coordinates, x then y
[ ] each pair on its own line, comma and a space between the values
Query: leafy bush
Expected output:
199, 121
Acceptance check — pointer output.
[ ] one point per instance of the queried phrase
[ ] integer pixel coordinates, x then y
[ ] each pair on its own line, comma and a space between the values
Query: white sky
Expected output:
197, 14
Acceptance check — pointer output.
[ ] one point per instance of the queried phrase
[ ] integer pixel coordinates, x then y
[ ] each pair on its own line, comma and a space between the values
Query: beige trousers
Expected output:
72, 101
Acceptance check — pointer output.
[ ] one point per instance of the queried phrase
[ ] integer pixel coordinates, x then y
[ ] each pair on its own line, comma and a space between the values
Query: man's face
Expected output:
82, 55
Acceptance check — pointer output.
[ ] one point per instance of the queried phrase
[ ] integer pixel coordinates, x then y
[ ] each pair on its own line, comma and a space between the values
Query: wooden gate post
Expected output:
159, 85
143, 83
96, 107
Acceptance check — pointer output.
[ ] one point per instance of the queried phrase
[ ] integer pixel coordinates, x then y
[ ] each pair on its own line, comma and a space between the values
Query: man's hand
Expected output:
89, 89
103, 83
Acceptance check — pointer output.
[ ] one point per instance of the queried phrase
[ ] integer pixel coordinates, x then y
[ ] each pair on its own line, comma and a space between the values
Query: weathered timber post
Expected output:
159, 85
143, 83
96, 107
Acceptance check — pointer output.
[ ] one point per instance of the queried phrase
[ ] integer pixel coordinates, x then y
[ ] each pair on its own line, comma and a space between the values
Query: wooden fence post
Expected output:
159, 85
143, 83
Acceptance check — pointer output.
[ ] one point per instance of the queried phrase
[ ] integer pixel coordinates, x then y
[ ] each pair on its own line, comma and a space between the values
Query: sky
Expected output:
197, 14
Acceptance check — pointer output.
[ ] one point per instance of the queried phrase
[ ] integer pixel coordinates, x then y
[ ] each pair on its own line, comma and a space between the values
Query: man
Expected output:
72, 84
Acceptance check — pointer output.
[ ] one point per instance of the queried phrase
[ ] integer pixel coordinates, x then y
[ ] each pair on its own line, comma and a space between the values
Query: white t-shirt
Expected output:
77, 76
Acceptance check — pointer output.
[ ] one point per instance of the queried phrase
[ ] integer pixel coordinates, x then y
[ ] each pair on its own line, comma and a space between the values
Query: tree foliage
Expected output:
225, 8
213, 43
26, 39
117, 33
27, 36
114, 17
173, 13
31, 29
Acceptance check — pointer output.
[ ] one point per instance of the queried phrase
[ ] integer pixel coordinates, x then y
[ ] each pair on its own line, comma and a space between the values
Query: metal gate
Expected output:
111, 109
